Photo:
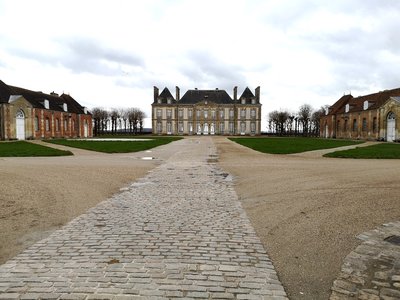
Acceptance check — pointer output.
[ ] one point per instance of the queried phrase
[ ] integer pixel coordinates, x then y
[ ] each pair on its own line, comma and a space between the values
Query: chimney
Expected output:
177, 92
155, 94
258, 94
235, 93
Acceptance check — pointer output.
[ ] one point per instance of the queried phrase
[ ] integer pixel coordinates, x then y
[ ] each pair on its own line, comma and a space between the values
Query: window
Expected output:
221, 127
345, 125
47, 123
180, 114
338, 126
243, 113
243, 101
65, 125
198, 128
242, 128
205, 114
253, 101
169, 128
57, 125
159, 101
253, 113
374, 125
198, 112
366, 105
253, 127
190, 113
213, 114
347, 108
73, 125
221, 113
36, 123
169, 101
355, 125
364, 124
169, 113
231, 128
159, 127
159, 113
231, 113
180, 127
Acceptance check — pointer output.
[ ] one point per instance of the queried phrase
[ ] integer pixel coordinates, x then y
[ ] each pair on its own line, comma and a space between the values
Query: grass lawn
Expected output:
277, 145
116, 146
21, 148
391, 150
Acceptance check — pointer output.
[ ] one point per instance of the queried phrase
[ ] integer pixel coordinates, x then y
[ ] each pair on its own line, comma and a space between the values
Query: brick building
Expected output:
26, 114
206, 112
373, 117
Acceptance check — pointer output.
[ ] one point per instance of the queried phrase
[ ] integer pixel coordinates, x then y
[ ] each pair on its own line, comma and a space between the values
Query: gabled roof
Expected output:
36, 99
165, 94
215, 96
247, 94
375, 101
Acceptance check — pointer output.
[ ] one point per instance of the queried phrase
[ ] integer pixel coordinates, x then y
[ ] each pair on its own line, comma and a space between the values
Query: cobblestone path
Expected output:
180, 232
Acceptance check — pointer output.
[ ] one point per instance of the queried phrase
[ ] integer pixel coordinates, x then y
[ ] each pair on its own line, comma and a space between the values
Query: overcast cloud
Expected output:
111, 53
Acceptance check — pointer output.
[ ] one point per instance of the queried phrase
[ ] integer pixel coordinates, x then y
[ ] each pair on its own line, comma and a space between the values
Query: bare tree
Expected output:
316, 118
305, 116
278, 121
114, 115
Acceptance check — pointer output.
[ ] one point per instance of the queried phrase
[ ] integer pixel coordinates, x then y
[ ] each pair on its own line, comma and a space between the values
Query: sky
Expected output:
110, 53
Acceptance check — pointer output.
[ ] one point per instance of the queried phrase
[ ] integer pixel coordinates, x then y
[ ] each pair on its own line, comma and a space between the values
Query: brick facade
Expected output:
26, 114
370, 117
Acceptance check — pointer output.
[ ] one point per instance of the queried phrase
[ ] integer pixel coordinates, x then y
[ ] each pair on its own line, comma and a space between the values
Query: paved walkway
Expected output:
180, 232
372, 270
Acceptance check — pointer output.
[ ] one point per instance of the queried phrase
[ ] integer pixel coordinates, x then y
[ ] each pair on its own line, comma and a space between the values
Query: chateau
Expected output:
206, 112
373, 116
26, 114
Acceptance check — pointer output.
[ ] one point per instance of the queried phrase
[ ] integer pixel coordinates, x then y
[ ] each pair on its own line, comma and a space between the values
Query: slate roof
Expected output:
247, 94
36, 99
215, 96
165, 94
375, 100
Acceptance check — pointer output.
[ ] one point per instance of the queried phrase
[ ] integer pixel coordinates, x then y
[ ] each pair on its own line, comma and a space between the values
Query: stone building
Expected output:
26, 114
206, 112
373, 117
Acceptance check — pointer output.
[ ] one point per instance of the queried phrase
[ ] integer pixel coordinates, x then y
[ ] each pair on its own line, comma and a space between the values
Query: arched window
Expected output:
47, 121
36, 123
391, 116
57, 125
20, 114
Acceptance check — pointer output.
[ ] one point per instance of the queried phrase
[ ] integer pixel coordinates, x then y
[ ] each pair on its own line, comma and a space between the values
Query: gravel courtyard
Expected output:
307, 210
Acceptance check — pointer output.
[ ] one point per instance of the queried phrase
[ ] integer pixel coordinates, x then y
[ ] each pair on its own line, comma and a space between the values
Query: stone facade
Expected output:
26, 114
206, 112
370, 117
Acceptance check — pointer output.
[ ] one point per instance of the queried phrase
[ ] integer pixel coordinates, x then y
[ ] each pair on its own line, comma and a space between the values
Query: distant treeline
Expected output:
305, 122
117, 120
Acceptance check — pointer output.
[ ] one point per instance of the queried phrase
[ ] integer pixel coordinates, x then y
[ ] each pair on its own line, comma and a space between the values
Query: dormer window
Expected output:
46, 104
85, 110
169, 101
243, 101
347, 108
65, 107
159, 101
253, 101
326, 111
366, 105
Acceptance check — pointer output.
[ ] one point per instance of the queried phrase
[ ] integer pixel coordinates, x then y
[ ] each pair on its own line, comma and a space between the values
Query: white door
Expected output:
391, 127
85, 129
205, 129
20, 125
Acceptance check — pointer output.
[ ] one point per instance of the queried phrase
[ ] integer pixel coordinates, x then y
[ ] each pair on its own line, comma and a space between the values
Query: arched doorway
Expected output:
20, 125
85, 129
326, 131
390, 127
205, 130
